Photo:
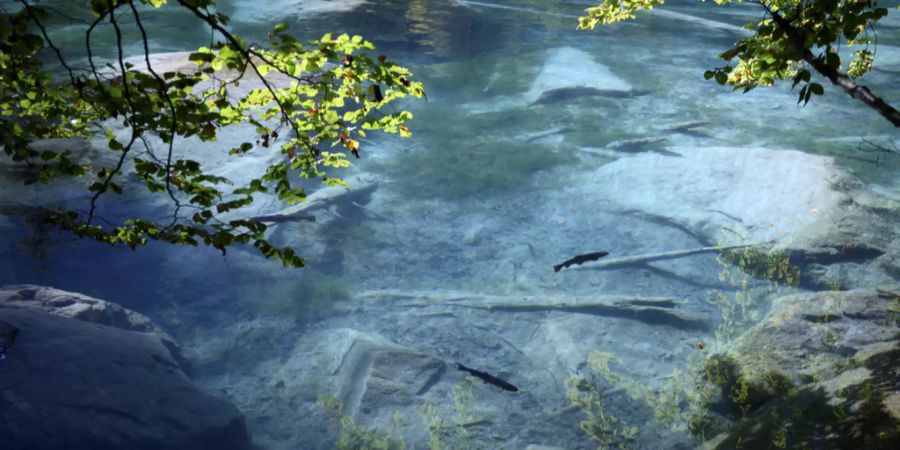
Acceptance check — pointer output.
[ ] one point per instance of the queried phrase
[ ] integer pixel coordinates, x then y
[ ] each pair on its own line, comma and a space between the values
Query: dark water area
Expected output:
538, 142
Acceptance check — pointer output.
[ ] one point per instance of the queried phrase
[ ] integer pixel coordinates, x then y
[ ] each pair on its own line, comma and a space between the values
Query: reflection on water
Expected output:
491, 191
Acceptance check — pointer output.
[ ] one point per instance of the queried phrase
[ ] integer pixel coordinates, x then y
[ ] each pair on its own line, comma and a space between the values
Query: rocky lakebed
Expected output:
750, 295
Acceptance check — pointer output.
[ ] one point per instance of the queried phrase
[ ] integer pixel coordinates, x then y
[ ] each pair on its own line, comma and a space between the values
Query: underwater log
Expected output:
640, 260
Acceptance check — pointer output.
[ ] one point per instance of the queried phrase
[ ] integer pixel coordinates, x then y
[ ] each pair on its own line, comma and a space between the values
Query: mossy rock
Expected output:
820, 371
857, 409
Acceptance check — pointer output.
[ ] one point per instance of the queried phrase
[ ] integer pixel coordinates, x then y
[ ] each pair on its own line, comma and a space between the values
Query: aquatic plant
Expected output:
459, 432
354, 436
682, 405
740, 268
761, 262
604, 428
894, 311
712, 389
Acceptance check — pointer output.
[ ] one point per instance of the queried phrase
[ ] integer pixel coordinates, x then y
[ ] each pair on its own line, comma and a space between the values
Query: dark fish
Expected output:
8, 335
579, 259
488, 378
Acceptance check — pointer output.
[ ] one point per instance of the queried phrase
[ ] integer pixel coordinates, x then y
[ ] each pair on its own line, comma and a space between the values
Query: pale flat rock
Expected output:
567, 74
569, 67
540, 12
731, 195
179, 62
830, 322
357, 186
163, 62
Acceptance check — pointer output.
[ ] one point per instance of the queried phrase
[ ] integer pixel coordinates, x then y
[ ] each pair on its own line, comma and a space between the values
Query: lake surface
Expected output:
503, 178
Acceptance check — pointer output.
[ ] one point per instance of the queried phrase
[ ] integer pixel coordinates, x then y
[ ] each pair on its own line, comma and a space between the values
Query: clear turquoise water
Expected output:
467, 164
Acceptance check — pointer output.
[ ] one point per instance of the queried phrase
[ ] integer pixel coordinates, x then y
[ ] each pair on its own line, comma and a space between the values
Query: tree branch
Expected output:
857, 91
164, 93
245, 53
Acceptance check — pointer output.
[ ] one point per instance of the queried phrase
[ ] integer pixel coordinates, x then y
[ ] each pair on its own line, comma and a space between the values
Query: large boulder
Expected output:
84, 373
81, 307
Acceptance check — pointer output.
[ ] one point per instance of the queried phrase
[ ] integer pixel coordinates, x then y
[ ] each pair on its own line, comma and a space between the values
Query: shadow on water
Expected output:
142, 279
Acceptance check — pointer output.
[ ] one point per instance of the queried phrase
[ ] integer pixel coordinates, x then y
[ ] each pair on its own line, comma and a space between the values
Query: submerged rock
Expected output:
371, 384
569, 71
78, 306
798, 202
81, 307
567, 75
85, 373
375, 374
699, 21
272, 11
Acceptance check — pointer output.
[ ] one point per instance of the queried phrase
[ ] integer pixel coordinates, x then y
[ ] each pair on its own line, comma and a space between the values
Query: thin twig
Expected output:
164, 92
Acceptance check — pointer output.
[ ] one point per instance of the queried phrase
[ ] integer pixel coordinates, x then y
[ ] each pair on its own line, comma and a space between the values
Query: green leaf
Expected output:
802, 94
721, 78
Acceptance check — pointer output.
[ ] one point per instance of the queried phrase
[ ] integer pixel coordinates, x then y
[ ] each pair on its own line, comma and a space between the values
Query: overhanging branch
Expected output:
857, 91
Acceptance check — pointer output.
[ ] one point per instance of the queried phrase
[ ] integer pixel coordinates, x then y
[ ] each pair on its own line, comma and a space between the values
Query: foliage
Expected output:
327, 93
612, 11
792, 417
604, 428
792, 39
354, 436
